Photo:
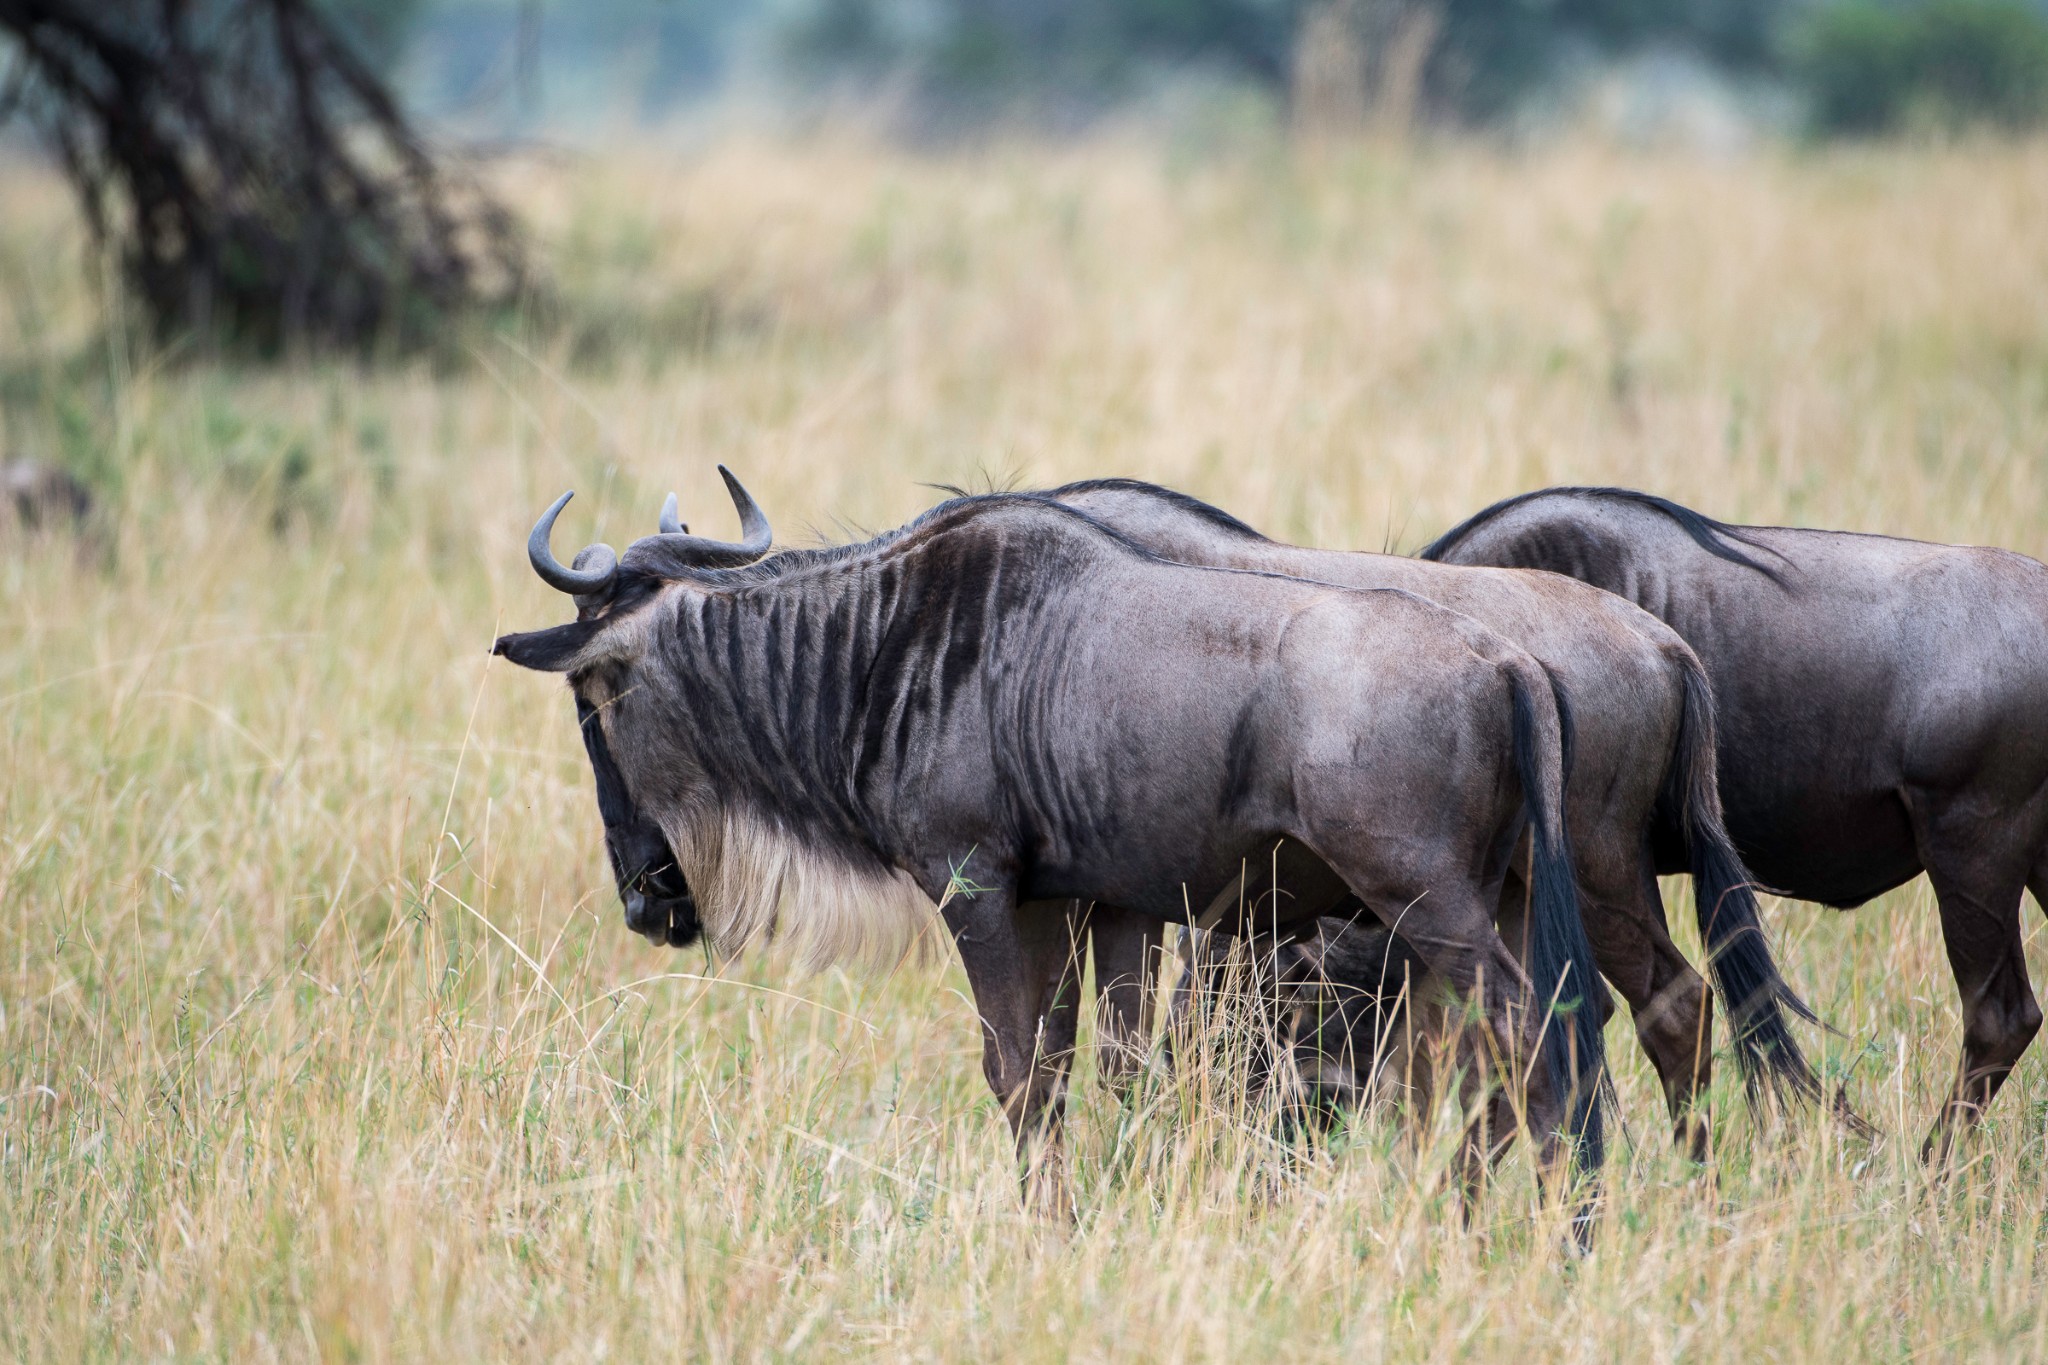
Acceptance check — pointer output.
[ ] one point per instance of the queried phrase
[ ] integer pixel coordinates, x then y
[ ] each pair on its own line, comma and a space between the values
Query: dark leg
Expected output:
1126, 964
1187, 990
1023, 965
1454, 935
1675, 1026
1671, 1004
1977, 884
1513, 919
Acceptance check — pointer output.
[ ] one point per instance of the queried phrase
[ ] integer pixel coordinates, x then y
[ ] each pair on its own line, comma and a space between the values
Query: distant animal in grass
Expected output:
36, 496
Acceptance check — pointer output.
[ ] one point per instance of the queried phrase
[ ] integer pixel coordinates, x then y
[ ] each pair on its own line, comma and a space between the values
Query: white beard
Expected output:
755, 884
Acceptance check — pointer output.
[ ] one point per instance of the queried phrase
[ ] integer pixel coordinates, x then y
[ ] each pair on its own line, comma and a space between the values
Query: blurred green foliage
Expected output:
1488, 54
379, 28
1861, 65
1870, 67
1858, 66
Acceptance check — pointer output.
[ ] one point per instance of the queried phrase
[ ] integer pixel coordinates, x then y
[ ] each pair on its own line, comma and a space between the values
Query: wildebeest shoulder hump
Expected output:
1208, 512
1717, 538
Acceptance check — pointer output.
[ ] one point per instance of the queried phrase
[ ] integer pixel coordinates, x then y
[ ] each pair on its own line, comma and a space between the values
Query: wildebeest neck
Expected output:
811, 698
785, 727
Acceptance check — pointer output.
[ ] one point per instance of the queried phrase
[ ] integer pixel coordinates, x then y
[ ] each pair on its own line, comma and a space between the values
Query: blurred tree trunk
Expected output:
1359, 67
1328, 95
1400, 59
255, 178
526, 60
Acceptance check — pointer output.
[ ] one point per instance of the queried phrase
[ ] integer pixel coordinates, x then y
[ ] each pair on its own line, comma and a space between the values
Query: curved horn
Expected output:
670, 524
673, 551
581, 582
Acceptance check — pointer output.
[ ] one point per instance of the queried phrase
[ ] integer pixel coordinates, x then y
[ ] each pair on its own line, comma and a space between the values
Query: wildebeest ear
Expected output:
554, 650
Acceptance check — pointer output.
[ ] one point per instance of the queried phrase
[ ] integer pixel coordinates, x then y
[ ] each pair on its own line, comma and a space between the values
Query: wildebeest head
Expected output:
656, 896
657, 899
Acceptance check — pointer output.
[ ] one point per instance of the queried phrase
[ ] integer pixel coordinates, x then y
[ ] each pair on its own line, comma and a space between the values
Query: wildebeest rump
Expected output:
1006, 706
1883, 707
1643, 749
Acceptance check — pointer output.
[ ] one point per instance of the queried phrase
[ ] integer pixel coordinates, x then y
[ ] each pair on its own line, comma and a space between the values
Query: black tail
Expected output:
1560, 957
1724, 898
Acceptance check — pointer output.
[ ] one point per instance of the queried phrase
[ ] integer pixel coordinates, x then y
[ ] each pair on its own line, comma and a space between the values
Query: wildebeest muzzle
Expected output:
660, 908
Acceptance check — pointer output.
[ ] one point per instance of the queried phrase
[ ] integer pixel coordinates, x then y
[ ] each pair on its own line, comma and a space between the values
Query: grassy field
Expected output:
319, 1031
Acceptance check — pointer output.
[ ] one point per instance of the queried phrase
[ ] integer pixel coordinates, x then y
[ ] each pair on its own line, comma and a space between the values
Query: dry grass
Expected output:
320, 1032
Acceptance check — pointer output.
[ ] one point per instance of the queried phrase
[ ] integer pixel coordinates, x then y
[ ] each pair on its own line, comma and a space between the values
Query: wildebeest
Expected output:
1006, 706
1883, 707
1643, 755
1321, 1019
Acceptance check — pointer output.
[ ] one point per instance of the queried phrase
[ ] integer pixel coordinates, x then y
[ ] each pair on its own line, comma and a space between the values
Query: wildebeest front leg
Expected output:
1979, 871
1981, 930
1022, 963
1126, 947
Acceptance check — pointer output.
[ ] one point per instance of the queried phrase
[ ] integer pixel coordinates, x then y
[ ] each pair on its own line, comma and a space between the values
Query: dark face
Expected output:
657, 900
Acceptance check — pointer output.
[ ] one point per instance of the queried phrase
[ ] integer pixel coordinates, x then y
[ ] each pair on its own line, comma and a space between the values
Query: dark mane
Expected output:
1717, 538
1208, 512
806, 677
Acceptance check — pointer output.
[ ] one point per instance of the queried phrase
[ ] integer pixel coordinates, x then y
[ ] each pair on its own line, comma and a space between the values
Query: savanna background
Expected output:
320, 1034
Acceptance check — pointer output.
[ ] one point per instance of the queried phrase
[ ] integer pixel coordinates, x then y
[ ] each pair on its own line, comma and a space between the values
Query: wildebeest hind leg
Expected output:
1023, 965
1979, 894
1673, 1009
1452, 931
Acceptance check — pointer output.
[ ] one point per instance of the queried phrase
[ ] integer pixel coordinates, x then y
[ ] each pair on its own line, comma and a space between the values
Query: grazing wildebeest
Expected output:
1642, 752
1006, 706
1883, 708
1342, 1001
